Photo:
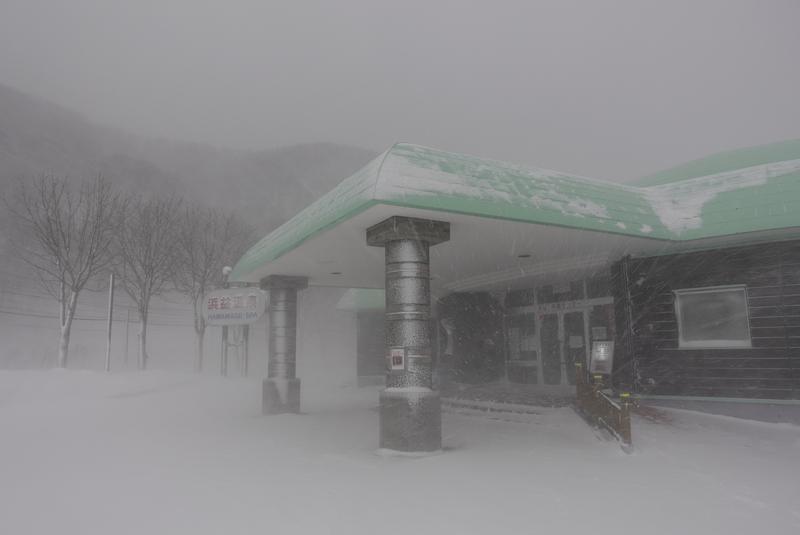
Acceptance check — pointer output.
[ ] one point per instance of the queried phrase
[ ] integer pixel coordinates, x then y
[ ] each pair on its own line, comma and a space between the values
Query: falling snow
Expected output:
171, 453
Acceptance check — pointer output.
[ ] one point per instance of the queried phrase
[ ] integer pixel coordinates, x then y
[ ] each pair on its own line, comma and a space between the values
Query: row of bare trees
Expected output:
71, 236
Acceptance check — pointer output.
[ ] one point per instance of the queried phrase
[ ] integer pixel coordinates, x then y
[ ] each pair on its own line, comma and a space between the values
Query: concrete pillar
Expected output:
410, 410
281, 388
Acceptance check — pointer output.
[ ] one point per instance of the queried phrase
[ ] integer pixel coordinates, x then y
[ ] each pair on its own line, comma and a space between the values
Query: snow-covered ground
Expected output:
158, 453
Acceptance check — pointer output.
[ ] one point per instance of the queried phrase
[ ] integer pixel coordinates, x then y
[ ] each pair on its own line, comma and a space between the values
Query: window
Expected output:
713, 317
522, 342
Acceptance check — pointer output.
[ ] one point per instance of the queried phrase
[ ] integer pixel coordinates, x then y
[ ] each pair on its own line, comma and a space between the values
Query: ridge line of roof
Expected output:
622, 185
722, 174
724, 160
527, 167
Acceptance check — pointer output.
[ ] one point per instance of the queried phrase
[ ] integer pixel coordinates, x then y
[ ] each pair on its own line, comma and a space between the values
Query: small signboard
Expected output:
234, 306
602, 357
397, 358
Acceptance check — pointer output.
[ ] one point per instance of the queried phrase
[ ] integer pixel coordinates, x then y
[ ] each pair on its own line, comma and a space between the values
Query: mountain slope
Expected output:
266, 187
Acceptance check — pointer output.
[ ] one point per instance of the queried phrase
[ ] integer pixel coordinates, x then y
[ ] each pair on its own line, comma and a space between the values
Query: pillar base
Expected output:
281, 396
410, 420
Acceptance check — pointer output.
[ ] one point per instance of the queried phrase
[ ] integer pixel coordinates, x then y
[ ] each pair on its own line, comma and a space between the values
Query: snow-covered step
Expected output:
491, 409
489, 406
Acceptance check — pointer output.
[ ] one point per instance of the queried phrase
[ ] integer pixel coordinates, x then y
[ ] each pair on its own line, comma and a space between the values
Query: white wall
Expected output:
326, 339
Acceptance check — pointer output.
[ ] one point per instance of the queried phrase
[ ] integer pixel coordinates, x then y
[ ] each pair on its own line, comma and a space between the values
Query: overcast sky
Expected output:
611, 89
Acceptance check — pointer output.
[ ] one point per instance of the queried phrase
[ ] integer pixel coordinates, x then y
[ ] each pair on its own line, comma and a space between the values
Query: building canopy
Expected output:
524, 208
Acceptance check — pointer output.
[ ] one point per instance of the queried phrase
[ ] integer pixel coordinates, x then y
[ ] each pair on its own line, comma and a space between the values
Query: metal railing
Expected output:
603, 411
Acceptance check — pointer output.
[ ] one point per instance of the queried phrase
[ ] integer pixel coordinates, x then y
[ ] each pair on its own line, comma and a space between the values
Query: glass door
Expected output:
563, 339
543, 347
523, 349
574, 342
551, 349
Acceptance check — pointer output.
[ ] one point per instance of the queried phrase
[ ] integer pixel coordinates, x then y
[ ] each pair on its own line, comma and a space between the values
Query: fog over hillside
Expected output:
265, 187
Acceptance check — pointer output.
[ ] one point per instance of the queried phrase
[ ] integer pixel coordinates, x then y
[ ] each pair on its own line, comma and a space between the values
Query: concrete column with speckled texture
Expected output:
410, 410
281, 388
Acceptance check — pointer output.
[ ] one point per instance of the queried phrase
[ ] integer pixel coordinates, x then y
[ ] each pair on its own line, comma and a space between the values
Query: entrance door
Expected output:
523, 346
574, 342
551, 349
563, 339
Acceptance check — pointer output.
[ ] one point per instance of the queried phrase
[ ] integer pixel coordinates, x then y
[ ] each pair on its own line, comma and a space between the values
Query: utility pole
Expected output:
127, 330
110, 319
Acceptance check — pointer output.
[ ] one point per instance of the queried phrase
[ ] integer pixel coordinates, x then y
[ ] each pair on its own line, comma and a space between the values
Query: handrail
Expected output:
601, 409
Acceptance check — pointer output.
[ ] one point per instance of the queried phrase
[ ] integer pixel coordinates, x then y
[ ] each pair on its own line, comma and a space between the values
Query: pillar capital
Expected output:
408, 228
284, 281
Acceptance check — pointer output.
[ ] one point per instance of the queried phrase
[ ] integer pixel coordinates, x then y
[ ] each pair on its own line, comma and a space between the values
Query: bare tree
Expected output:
148, 255
208, 241
72, 234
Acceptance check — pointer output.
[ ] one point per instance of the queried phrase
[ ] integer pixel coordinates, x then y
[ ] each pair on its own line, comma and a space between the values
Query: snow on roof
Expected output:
760, 197
726, 161
687, 205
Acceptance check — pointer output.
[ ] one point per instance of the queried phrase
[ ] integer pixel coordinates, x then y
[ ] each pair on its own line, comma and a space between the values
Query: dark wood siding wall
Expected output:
649, 358
478, 338
624, 363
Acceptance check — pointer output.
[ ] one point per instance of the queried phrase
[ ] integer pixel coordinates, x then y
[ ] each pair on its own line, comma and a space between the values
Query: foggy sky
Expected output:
612, 89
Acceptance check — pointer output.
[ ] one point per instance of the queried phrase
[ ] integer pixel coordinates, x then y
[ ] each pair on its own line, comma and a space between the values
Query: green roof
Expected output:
764, 196
726, 161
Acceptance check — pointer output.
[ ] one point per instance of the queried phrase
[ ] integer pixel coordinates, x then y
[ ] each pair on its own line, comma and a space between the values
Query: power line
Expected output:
28, 314
18, 276
54, 316
38, 296
46, 296
121, 307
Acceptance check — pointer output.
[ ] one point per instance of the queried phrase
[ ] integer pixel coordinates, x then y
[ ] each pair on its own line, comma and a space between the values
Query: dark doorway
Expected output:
551, 350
